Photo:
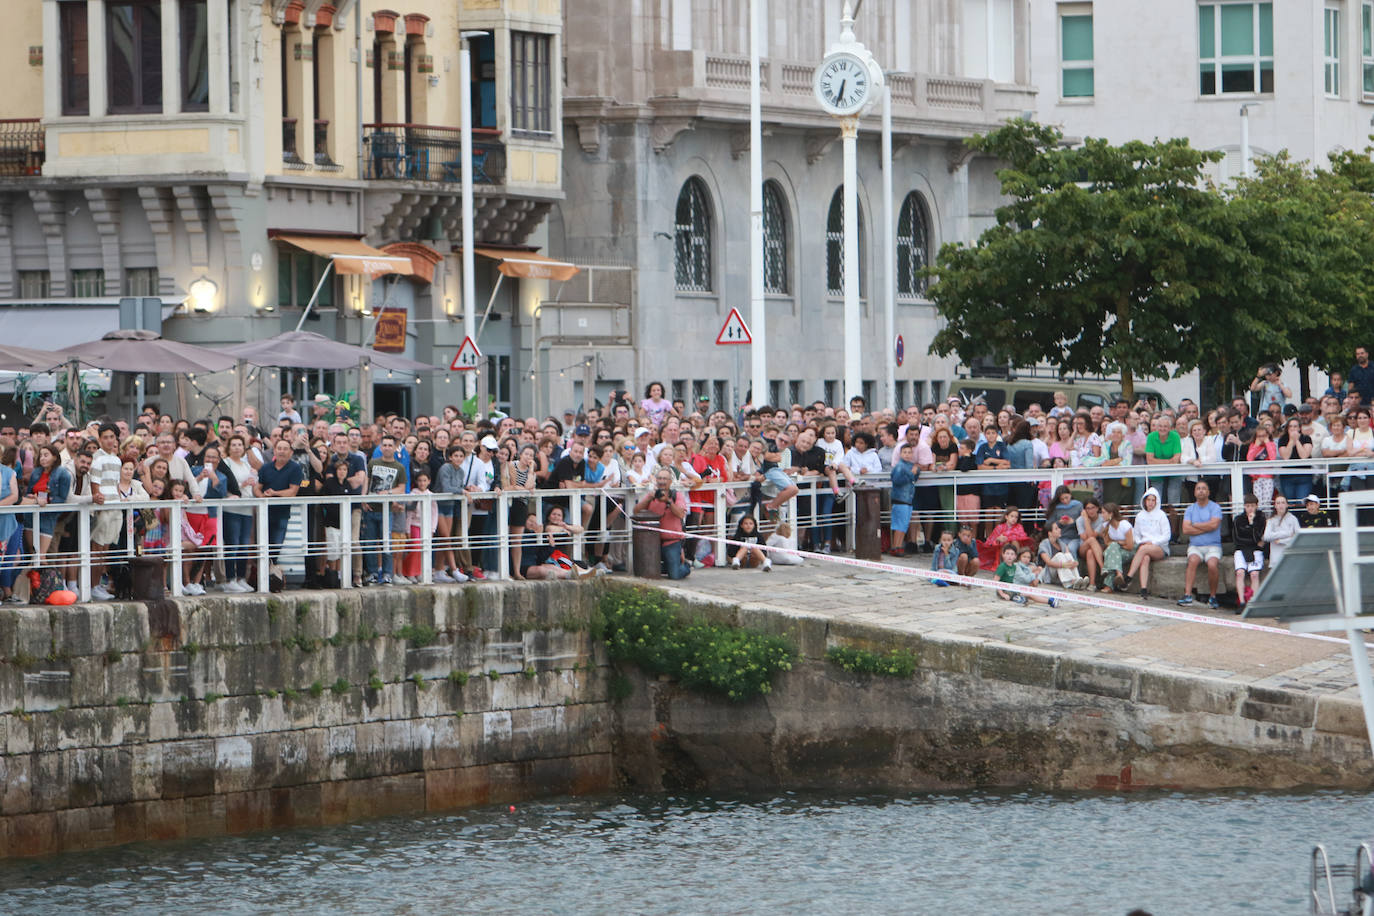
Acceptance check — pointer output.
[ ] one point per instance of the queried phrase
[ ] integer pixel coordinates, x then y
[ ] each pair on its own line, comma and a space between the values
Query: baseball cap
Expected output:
490, 444
1312, 498
642, 431
582, 429
1305, 408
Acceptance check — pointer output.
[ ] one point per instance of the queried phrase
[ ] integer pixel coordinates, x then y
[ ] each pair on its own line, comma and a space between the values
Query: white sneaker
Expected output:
767, 565
241, 586
442, 576
71, 585
734, 564
460, 576
99, 593
399, 579
192, 588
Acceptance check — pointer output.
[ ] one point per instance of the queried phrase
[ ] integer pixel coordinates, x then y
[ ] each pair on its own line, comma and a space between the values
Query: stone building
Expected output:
214, 155
655, 172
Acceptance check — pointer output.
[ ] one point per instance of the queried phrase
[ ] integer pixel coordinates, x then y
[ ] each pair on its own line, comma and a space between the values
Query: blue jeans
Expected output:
9, 569
278, 517
1295, 487
825, 504
238, 534
672, 560
372, 532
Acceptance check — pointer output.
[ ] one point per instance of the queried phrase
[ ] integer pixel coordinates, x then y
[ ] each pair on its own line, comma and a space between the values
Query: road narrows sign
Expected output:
468, 357
734, 331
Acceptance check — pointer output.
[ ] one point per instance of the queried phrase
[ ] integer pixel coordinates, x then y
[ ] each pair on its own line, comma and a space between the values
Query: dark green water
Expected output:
1025, 853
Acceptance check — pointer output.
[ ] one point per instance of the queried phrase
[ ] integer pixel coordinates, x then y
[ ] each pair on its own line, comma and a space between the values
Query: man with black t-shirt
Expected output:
570, 473
385, 476
808, 460
356, 476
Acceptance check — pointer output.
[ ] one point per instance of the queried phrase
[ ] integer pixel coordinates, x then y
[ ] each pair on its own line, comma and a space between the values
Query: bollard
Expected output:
868, 516
146, 574
647, 553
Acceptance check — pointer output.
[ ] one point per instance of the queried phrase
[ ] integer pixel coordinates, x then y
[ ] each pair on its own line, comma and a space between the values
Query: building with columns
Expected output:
656, 175
149, 147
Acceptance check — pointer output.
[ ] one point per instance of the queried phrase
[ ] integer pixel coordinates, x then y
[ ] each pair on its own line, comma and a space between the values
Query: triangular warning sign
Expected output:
468, 357
734, 331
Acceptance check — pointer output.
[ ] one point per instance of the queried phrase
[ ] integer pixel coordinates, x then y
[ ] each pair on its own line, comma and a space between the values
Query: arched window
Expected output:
834, 246
913, 246
776, 272
693, 236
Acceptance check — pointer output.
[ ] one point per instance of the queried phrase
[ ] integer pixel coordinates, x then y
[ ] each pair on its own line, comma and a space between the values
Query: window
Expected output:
832, 388
33, 284
775, 392
794, 391
1331, 51
775, 272
834, 247
297, 274
913, 247
721, 393
88, 284
679, 389
990, 40
531, 86
195, 56
1236, 47
76, 72
1076, 54
133, 46
1367, 46
693, 238
140, 281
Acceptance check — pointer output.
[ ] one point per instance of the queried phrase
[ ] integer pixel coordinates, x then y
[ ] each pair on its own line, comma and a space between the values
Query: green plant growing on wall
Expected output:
340, 687
418, 635
317, 690
458, 678
529, 673
493, 674
419, 682
642, 626
894, 663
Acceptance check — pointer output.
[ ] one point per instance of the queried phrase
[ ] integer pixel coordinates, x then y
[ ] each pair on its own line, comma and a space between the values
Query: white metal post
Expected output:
260, 519
758, 319
427, 540
465, 131
503, 535
889, 263
83, 537
346, 532
853, 363
173, 522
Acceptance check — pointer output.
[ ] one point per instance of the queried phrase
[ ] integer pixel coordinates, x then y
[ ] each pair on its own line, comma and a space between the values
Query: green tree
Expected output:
1105, 258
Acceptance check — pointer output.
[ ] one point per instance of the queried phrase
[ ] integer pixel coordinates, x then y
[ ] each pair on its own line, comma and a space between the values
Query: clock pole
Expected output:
844, 84
853, 360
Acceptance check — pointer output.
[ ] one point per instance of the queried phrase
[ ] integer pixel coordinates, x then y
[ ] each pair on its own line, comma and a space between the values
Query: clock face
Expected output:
842, 84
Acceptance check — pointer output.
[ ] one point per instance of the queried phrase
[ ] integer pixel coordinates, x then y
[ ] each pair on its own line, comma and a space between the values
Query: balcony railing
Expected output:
322, 159
21, 147
290, 152
424, 152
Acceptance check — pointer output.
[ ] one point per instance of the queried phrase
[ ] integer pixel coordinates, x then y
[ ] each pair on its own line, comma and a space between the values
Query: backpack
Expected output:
43, 582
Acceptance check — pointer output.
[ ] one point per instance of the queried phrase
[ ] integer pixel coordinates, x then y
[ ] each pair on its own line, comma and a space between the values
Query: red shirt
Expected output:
667, 520
706, 499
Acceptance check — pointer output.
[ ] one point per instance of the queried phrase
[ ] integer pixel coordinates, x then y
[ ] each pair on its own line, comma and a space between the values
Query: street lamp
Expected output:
201, 294
469, 243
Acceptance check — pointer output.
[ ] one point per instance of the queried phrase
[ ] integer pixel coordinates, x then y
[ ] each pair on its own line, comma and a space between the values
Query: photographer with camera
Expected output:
671, 510
1269, 383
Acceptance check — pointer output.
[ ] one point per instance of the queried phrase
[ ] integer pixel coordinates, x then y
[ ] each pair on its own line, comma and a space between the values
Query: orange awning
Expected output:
528, 265
350, 256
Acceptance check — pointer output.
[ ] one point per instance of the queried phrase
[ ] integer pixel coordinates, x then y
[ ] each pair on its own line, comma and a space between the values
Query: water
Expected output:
1024, 853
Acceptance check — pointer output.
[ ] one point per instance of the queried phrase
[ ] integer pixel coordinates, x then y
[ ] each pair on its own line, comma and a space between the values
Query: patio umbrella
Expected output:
309, 350
147, 351
24, 359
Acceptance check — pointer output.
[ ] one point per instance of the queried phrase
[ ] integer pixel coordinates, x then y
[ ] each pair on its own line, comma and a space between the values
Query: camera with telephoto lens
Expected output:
661, 494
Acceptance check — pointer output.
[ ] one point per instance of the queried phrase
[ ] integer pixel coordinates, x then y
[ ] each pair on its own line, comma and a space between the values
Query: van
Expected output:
1020, 393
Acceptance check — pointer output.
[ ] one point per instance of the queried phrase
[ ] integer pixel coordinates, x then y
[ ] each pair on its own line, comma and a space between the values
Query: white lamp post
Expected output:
844, 85
758, 318
469, 243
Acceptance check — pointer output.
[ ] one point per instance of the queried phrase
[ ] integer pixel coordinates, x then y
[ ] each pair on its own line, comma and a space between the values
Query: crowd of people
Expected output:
794, 466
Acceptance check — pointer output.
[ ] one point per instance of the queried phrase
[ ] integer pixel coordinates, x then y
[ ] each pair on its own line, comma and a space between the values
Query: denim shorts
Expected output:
777, 477
446, 507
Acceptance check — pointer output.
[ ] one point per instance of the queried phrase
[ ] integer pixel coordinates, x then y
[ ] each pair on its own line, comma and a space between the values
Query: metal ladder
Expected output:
1322, 885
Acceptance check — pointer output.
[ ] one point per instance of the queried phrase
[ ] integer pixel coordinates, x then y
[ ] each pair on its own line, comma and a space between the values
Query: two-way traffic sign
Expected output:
467, 358
734, 331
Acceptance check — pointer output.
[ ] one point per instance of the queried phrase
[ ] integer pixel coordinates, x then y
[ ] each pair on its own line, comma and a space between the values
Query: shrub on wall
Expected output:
896, 663
642, 626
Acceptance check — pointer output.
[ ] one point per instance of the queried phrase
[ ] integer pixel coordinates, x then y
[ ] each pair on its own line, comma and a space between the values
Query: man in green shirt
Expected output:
1164, 446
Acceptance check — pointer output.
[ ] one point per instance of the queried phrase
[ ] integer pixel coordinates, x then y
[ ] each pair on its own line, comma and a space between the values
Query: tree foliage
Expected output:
1125, 260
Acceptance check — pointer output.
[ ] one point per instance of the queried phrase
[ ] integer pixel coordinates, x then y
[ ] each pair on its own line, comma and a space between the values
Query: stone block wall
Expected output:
130, 722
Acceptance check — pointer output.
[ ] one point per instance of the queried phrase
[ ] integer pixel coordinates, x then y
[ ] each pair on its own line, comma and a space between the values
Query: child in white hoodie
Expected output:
1152, 532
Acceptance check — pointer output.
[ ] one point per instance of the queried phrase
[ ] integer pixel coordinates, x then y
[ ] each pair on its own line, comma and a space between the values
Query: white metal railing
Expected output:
719, 512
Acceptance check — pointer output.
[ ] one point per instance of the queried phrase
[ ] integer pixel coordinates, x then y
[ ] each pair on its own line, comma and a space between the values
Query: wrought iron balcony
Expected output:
21, 147
322, 159
425, 152
290, 152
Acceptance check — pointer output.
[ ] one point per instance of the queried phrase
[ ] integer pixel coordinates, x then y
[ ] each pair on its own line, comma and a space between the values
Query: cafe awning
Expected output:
349, 256
528, 265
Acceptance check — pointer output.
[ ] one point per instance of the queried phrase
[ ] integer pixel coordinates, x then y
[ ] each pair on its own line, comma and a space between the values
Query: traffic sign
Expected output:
901, 349
467, 358
734, 331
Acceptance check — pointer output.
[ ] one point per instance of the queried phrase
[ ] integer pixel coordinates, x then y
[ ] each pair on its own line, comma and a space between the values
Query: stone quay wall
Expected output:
980, 714
129, 722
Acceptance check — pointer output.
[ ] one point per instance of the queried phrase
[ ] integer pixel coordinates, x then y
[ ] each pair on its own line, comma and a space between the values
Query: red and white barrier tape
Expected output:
1089, 598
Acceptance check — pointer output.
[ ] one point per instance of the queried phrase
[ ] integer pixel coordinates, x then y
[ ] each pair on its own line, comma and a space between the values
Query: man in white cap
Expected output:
644, 445
1313, 515
479, 474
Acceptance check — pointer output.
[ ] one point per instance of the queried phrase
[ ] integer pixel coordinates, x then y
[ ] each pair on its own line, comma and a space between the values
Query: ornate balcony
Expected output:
426, 152
21, 147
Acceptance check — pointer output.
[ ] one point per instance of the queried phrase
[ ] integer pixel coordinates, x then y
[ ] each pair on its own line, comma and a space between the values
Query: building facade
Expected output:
1184, 68
656, 172
169, 149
